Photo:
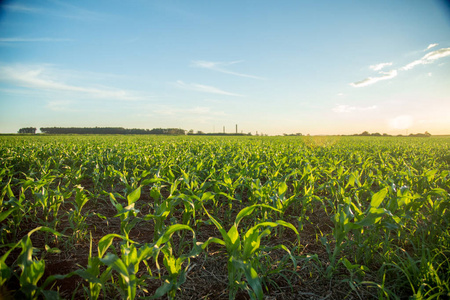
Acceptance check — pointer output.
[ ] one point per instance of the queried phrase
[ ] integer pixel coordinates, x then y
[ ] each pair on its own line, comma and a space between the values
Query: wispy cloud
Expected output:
21, 8
221, 67
428, 58
431, 46
20, 39
59, 105
348, 108
59, 9
371, 80
45, 78
380, 66
204, 88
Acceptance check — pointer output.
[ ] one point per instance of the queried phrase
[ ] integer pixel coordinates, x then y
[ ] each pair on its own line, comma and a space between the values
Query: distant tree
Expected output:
110, 130
31, 130
376, 134
426, 134
365, 133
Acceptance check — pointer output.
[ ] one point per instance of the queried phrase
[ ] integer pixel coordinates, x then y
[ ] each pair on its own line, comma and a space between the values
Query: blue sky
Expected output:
317, 67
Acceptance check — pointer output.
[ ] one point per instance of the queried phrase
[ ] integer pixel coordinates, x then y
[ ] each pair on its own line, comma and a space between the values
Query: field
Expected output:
189, 217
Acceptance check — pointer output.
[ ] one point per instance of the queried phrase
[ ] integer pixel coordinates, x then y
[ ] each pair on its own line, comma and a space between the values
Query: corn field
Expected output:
191, 217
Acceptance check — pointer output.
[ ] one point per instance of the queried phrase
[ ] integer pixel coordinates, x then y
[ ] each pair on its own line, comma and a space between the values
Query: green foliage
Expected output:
242, 250
379, 208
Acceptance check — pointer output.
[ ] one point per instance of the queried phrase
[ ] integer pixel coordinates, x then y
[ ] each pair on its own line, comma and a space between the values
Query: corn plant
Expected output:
127, 265
93, 274
31, 269
241, 250
174, 266
77, 220
380, 204
128, 214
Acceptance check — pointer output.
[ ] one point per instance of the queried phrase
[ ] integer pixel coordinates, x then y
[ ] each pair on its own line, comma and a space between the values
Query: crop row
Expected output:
143, 217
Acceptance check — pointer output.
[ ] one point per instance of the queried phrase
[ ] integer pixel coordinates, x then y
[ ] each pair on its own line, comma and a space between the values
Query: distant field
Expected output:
197, 217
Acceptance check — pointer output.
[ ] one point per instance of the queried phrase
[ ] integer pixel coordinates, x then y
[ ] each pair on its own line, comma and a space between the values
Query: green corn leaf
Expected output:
6, 213
287, 224
46, 229
117, 264
212, 240
282, 188
162, 290
251, 275
438, 192
207, 196
170, 231
252, 241
144, 252
244, 212
105, 242
114, 202
222, 231
249, 210
254, 281
373, 217
87, 276
129, 208
378, 197
233, 234
134, 196
80, 199
9, 192
348, 264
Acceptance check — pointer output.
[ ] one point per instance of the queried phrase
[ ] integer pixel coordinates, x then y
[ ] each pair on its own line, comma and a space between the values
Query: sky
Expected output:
272, 67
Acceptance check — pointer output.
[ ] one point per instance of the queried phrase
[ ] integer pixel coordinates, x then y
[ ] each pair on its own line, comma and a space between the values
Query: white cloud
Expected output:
371, 80
19, 39
59, 9
219, 67
59, 105
428, 58
347, 108
20, 8
46, 78
401, 122
204, 88
431, 46
380, 66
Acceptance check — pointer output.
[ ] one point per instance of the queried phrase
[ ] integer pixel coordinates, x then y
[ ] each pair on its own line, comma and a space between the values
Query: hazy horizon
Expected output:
315, 68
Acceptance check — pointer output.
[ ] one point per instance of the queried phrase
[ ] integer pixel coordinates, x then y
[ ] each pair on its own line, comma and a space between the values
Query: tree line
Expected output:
366, 133
31, 130
103, 130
